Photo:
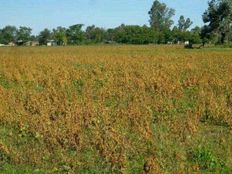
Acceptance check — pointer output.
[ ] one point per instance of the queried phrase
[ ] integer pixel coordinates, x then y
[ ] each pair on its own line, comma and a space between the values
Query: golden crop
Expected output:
116, 109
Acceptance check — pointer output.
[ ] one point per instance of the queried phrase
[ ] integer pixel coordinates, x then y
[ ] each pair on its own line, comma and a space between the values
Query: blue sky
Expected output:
40, 14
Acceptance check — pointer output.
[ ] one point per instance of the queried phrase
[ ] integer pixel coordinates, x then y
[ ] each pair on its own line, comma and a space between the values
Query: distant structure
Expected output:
19, 42
188, 44
51, 43
32, 43
26, 43
109, 42
11, 44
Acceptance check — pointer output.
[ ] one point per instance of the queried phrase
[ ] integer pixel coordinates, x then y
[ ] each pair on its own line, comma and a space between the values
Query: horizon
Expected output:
106, 14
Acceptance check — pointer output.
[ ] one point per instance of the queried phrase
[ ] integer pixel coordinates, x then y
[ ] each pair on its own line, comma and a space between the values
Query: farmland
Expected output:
115, 109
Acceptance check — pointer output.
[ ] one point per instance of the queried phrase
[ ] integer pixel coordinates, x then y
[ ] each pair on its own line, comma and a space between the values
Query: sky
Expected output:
40, 14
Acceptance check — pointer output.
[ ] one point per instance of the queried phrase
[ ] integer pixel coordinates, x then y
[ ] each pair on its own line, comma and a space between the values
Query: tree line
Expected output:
217, 29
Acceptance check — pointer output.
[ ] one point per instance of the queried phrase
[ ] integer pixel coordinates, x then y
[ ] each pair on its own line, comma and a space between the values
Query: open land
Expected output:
115, 109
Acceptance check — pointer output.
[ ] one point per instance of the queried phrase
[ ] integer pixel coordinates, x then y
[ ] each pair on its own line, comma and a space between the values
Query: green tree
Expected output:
218, 19
184, 24
195, 35
44, 36
206, 35
110, 35
95, 34
134, 34
181, 36
8, 34
24, 34
176, 34
161, 16
75, 34
59, 35
1, 37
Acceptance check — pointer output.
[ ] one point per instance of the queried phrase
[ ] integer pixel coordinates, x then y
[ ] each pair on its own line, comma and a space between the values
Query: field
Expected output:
115, 109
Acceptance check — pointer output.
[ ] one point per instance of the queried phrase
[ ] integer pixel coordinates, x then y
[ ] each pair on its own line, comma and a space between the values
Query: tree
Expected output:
181, 36
24, 34
218, 19
75, 34
1, 37
160, 16
8, 34
176, 34
44, 36
205, 34
59, 35
180, 32
183, 24
110, 35
195, 35
134, 34
95, 34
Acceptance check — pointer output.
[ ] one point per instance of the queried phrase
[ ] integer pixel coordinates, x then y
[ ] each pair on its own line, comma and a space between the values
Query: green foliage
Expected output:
134, 34
218, 19
8, 34
95, 34
135, 163
195, 35
160, 16
79, 85
75, 34
184, 24
207, 161
4, 83
10, 169
44, 36
60, 35
24, 34
94, 163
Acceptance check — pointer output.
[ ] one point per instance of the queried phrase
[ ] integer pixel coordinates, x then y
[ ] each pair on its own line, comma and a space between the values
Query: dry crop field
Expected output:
115, 109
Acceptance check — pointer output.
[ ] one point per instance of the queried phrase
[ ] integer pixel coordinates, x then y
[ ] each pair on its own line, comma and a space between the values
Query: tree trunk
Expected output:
223, 37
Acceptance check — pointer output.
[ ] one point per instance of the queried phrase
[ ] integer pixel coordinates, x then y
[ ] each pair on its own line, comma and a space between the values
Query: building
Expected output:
19, 42
186, 43
11, 44
51, 43
32, 43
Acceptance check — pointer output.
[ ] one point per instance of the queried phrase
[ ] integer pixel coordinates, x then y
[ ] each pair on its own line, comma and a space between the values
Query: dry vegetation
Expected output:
115, 109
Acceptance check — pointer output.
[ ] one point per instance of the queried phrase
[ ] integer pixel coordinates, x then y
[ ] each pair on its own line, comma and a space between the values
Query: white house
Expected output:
11, 44
51, 43
186, 43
